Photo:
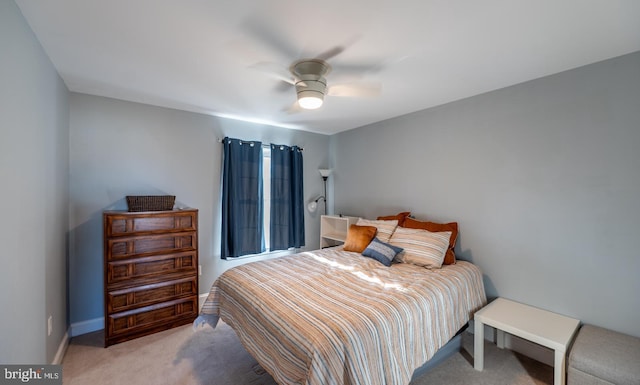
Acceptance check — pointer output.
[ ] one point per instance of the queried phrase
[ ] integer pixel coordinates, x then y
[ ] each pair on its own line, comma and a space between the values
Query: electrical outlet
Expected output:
49, 325
199, 269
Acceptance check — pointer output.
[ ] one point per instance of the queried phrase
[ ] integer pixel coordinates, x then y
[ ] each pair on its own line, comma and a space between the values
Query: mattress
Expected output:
336, 317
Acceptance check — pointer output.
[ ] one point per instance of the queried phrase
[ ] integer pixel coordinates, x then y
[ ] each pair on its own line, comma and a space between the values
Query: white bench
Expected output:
543, 327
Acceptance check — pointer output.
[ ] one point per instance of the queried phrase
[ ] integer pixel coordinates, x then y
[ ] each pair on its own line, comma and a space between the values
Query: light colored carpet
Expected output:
216, 357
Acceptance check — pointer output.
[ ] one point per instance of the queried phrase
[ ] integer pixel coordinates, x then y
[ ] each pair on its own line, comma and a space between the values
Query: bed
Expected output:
335, 317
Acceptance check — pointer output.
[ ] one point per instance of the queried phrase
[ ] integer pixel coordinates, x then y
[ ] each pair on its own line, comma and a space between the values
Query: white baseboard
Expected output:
62, 349
529, 349
85, 327
520, 345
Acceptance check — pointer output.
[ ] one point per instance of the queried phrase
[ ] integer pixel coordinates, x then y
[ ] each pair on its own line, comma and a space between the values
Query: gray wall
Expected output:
34, 166
543, 178
120, 148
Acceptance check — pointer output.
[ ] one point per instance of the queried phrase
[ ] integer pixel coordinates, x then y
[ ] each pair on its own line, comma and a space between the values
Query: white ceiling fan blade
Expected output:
358, 69
367, 67
274, 70
355, 89
332, 52
338, 49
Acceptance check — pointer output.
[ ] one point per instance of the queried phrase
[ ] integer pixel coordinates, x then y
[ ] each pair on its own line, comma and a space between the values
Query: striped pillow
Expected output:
385, 228
421, 247
449, 256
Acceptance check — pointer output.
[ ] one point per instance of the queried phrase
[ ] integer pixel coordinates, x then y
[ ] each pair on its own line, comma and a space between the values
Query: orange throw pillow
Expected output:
400, 217
449, 257
359, 237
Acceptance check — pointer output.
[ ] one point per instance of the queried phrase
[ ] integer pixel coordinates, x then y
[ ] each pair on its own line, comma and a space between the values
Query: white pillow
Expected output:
421, 247
385, 228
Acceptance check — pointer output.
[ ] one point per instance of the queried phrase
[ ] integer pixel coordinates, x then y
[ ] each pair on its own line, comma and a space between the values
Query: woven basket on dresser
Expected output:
150, 202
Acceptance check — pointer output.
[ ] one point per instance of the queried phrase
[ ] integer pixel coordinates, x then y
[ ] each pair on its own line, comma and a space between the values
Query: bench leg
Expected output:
478, 346
559, 371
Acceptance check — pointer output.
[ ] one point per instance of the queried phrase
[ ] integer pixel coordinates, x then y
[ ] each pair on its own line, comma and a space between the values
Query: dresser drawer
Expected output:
129, 224
142, 267
118, 248
148, 317
139, 296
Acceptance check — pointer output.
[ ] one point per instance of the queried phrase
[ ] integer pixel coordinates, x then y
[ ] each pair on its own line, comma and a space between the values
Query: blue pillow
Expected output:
381, 252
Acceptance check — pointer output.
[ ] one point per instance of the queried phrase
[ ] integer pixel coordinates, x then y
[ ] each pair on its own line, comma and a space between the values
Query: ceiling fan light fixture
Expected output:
310, 100
311, 85
310, 90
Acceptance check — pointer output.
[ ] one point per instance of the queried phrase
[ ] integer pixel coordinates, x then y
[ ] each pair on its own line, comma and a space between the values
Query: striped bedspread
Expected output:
335, 317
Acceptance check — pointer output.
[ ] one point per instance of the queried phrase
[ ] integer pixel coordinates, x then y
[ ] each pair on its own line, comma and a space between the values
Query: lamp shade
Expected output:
325, 172
312, 206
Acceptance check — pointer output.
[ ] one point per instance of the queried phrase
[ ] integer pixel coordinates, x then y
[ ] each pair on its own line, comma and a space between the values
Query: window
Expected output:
262, 198
266, 191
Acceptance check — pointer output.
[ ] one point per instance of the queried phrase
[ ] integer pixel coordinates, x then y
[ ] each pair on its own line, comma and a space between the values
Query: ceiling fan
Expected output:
309, 79
310, 82
309, 75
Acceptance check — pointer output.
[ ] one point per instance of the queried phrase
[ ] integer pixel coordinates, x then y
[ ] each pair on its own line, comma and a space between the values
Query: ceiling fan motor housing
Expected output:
310, 80
309, 86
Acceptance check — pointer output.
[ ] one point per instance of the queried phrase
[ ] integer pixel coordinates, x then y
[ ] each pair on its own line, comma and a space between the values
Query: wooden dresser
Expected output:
150, 272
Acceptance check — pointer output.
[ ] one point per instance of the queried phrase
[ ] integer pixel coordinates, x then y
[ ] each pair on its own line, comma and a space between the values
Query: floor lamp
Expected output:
313, 205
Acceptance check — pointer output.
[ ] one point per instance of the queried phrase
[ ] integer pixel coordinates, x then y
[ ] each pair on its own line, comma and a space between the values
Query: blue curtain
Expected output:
242, 199
287, 198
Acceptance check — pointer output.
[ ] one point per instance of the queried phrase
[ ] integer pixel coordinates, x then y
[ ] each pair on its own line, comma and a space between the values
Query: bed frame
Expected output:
449, 349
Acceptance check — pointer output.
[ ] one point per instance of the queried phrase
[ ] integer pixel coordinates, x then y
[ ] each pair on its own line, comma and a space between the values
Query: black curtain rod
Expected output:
263, 144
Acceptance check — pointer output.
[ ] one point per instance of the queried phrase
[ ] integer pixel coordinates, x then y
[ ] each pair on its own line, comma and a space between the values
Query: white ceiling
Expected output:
210, 56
